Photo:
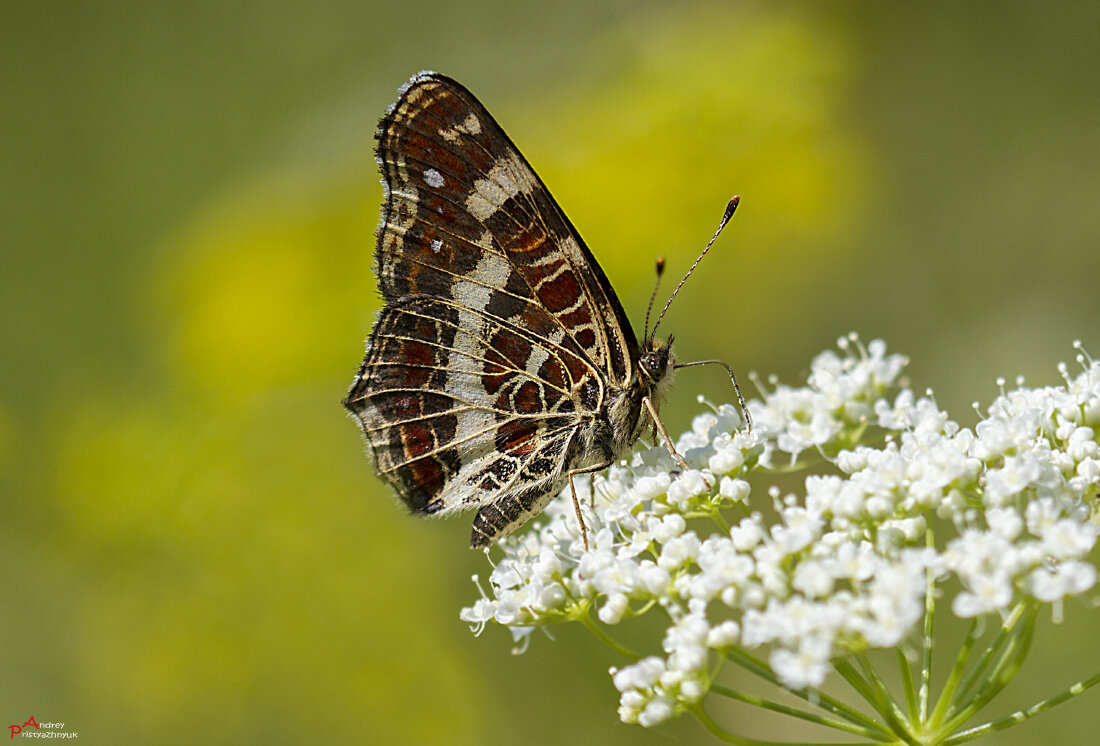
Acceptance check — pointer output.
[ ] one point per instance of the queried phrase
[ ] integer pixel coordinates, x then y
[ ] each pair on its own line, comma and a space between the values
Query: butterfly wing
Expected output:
499, 326
458, 188
462, 410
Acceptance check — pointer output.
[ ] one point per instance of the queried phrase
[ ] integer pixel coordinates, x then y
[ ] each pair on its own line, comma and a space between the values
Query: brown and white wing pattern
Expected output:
500, 334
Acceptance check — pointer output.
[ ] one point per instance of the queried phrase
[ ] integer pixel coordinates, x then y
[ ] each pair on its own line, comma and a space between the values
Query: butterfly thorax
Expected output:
624, 408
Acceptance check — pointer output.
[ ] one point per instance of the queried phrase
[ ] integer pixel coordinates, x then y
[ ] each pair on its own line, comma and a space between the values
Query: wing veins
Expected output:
421, 418
535, 339
527, 300
472, 356
411, 125
457, 442
471, 405
448, 369
532, 212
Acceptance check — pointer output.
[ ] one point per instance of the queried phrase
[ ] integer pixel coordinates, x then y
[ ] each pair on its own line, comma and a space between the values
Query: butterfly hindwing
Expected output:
454, 402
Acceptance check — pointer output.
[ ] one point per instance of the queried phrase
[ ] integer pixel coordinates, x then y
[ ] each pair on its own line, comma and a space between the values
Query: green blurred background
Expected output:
194, 547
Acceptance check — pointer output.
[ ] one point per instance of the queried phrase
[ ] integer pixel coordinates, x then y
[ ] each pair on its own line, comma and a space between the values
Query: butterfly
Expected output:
502, 364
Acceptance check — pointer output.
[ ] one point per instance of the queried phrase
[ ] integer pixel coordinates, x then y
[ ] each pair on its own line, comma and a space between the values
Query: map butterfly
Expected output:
502, 364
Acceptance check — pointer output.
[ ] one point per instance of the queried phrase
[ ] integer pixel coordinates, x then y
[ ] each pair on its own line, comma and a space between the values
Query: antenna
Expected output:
736, 388
725, 219
653, 295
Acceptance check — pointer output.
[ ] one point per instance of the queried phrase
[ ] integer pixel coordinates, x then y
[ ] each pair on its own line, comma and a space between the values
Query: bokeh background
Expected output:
194, 548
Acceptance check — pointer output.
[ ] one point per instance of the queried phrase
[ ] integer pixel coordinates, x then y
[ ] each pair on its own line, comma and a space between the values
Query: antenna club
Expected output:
735, 200
653, 296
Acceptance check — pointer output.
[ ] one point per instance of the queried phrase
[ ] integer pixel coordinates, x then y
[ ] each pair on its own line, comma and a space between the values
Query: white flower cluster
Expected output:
1009, 509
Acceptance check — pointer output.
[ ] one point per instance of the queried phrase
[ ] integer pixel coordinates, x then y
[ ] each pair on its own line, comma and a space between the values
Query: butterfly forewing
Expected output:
463, 203
500, 331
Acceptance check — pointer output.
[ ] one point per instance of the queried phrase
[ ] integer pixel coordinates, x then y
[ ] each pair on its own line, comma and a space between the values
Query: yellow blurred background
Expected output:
195, 549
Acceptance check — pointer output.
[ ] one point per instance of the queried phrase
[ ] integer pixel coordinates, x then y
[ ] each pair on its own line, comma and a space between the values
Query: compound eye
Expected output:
652, 365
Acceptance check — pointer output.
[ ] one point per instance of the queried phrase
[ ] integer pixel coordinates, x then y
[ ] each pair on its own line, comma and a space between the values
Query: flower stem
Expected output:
715, 729
724, 735
720, 520
997, 646
944, 704
1008, 663
859, 730
587, 621
926, 644
813, 696
854, 679
879, 685
906, 672
875, 693
1021, 715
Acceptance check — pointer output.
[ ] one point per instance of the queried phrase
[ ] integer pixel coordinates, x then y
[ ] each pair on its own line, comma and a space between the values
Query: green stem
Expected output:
743, 509
813, 696
859, 730
963, 692
716, 730
721, 521
870, 687
720, 733
712, 512
1008, 664
926, 643
906, 672
1021, 715
944, 707
587, 621
876, 681
855, 680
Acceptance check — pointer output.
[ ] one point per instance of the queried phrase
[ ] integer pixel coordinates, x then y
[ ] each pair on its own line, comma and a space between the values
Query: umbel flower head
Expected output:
898, 499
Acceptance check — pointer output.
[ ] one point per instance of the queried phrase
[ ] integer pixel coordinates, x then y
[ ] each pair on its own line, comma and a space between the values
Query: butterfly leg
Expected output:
576, 502
660, 427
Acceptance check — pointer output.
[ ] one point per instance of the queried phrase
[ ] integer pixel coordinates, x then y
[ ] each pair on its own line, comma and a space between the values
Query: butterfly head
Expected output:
656, 363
